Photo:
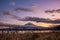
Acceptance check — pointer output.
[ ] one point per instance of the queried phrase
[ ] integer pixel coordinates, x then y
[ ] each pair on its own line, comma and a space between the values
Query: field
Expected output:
30, 35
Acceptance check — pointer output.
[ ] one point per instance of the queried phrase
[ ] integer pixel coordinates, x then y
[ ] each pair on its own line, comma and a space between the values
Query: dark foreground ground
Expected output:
30, 35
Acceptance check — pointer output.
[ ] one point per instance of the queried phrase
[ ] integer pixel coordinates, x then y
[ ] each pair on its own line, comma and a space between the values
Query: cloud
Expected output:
6, 13
53, 11
11, 14
36, 19
58, 10
12, 3
49, 11
24, 9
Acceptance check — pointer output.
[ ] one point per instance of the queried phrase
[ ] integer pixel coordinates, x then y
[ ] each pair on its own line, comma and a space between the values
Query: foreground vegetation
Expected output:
30, 35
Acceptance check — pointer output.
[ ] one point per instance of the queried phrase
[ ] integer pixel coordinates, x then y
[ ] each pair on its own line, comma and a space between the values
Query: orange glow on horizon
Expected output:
43, 24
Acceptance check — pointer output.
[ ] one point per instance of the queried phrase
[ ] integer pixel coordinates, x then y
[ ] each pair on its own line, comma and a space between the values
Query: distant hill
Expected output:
29, 26
24, 27
56, 27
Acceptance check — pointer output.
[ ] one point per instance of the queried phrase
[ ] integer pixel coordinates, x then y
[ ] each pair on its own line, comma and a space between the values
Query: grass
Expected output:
15, 35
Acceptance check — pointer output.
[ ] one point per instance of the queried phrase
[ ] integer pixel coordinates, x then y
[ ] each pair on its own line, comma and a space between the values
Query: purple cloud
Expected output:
8, 13
52, 11
36, 19
12, 3
24, 9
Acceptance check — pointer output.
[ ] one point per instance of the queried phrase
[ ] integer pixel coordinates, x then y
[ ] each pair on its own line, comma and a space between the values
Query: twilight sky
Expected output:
44, 13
